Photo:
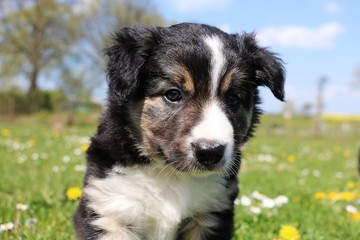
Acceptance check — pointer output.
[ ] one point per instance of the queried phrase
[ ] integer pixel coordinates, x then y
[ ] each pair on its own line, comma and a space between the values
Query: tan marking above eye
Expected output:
226, 82
181, 74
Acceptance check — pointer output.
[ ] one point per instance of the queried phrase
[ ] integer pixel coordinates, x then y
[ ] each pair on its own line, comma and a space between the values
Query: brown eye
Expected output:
173, 95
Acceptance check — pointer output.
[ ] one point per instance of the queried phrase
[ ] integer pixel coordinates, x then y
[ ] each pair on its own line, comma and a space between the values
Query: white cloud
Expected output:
195, 5
301, 36
333, 7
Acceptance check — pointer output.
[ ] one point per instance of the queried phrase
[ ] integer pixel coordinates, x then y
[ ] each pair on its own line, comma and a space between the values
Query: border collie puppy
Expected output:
163, 164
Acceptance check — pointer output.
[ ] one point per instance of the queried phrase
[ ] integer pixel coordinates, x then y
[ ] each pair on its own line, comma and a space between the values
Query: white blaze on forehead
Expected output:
215, 126
217, 60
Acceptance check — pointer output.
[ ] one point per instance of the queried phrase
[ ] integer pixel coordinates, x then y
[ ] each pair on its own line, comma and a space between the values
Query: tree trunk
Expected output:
11, 109
71, 116
33, 93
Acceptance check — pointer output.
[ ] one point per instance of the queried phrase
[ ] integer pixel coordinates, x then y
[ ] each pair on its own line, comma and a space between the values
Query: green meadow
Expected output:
294, 185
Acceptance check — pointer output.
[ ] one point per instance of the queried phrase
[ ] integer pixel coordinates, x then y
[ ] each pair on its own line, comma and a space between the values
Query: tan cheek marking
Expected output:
147, 124
225, 85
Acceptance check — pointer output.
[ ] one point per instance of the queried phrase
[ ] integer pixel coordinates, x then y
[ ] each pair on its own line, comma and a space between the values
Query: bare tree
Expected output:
320, 106
355, 82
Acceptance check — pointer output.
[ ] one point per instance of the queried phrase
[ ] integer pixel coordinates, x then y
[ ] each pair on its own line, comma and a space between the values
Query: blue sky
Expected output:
315, 38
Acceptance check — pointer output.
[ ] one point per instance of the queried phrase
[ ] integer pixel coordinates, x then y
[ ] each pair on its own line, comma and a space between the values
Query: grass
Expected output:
39, 164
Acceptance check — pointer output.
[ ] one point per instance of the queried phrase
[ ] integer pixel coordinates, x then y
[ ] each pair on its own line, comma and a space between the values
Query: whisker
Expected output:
241, 134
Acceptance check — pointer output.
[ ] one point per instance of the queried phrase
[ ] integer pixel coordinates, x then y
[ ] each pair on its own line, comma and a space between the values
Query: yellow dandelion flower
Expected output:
320, 195
332, 195
5, 132
73, 193
288, 232
347, 154
355, 216
347, 196
84, 147
291, 158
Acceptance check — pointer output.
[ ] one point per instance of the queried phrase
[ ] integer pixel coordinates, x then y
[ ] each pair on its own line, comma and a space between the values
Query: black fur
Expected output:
136, 62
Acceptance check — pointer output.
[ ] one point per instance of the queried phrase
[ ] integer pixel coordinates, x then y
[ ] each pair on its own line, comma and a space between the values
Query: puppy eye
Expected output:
173, 95
232, 100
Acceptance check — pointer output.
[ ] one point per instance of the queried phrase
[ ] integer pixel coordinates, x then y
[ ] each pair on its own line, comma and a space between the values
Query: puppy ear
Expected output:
126, 56
269, 69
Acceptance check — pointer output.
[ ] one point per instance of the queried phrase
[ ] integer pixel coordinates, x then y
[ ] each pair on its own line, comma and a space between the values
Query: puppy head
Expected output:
191, 92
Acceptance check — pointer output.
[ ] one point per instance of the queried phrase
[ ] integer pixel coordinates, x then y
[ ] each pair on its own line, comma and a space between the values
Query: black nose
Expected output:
208, 153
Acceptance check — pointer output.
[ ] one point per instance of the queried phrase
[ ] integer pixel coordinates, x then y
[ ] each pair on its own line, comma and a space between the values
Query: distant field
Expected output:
316, 176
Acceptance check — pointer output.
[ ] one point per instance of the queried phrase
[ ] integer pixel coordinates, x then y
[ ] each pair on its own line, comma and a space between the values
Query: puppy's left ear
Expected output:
269, 69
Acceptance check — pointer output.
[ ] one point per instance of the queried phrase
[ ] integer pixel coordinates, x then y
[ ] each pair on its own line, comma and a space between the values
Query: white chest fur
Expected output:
148, 203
